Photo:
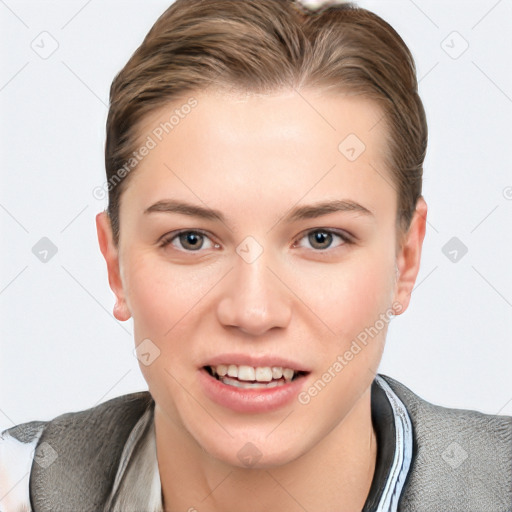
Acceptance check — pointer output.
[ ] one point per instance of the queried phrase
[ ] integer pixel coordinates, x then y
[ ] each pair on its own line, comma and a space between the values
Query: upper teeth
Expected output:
260, 373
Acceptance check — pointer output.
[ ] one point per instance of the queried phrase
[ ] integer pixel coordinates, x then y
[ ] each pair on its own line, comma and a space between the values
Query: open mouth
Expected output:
249, 377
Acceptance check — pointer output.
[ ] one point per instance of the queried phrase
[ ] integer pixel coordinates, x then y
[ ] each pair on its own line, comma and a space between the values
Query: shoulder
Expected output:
460, 456
71, 460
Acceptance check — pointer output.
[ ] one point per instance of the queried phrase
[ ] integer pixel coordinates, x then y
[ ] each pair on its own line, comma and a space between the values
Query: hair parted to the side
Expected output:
263, 46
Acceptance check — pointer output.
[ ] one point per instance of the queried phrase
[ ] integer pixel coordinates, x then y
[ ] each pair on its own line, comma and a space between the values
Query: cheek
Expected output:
165, 302
162, 297
167, 306
350, 295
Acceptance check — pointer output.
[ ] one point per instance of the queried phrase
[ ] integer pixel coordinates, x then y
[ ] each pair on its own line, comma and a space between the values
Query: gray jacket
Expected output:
460, 460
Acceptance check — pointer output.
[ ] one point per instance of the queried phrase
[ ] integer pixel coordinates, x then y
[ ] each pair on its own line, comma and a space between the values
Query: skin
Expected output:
254, 157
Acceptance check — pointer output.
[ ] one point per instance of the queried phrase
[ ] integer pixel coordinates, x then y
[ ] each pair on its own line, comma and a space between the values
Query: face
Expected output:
257, 238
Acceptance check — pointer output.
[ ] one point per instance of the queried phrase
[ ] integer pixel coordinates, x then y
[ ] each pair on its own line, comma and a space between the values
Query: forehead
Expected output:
250, 147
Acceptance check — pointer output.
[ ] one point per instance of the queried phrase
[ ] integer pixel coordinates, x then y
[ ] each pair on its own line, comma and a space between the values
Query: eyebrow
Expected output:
296, 214
324, 208
192, 210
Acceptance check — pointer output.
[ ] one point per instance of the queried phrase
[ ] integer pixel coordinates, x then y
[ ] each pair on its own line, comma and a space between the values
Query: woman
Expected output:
265, 224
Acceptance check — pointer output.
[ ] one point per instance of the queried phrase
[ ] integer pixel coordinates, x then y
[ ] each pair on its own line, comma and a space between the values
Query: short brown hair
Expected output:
263, 46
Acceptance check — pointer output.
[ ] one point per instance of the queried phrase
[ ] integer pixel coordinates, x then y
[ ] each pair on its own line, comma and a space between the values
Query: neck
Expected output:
336, 474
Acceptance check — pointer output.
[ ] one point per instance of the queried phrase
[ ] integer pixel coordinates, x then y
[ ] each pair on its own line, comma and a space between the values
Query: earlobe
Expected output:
111, 254
121, 311
409, 257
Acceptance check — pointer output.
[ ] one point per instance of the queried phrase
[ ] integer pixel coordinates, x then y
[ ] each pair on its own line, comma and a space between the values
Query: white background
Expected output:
61, 348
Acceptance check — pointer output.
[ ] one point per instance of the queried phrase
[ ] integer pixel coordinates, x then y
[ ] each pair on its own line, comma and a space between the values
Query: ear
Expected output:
409, 256
111, 254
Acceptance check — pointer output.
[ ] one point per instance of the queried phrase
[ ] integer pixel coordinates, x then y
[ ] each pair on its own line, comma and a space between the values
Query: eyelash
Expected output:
346, 239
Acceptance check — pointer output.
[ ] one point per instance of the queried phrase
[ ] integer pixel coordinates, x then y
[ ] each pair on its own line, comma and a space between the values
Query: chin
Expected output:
254, 451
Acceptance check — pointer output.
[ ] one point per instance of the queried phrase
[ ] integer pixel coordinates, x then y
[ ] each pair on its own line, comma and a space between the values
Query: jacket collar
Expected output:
393, 429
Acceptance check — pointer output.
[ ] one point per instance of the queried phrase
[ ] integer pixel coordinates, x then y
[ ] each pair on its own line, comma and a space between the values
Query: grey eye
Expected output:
320, 239
191, 240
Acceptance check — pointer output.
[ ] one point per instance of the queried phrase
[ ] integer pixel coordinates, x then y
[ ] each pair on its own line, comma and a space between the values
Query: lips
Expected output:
252, 384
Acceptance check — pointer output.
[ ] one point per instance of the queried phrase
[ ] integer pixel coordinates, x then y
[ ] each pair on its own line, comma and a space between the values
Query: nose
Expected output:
254, 300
